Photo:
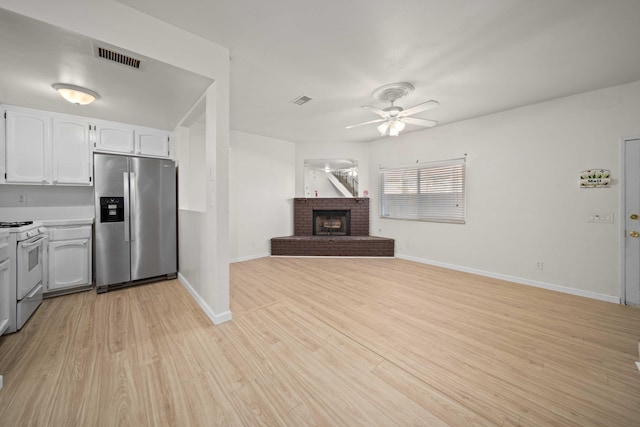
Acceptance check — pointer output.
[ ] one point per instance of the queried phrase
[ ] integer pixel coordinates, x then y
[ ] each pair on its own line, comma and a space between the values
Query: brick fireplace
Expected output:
331, 227
303, 214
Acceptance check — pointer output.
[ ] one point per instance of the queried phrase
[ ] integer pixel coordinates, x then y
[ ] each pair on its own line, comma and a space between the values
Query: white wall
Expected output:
191, 161
317, 182
358, 151
45, 202
523, 200
261, 194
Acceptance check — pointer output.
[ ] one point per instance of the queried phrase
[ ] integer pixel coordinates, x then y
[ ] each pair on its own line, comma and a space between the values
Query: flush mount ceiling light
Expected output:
75, 94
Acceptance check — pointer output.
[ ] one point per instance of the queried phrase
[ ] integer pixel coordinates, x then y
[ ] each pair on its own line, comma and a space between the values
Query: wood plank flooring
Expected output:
346, 342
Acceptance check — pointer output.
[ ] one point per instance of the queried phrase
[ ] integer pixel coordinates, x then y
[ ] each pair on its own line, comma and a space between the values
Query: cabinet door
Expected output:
71, 152
28, 149
4, 296
114, 137
69, 264
152, 142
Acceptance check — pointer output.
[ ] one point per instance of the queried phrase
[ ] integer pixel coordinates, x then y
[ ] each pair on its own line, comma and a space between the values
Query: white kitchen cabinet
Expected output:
152, 142
71, 152
114, 137
46, 148
69, 259
41, 147
128, 139
28, 147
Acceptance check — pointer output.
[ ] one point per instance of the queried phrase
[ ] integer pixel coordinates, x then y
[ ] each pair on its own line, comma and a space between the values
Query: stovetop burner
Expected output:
15, 224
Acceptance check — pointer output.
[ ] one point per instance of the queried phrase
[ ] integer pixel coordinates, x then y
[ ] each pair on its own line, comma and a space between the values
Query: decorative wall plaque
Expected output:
594, 178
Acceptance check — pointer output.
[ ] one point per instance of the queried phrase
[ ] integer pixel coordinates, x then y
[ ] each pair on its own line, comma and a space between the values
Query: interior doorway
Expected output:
630, 294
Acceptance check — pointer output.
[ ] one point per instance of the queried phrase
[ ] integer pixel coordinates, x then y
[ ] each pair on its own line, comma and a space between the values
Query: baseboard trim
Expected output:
249, 258
519, 280
332, 256
216, 318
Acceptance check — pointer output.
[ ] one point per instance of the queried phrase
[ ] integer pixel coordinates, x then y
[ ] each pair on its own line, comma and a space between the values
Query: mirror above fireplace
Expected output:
330, 178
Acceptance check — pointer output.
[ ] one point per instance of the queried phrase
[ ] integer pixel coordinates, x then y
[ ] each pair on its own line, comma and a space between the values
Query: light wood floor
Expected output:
342, 342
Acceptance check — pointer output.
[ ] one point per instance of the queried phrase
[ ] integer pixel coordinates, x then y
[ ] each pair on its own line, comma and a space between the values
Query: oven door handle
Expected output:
34, 243
34, 291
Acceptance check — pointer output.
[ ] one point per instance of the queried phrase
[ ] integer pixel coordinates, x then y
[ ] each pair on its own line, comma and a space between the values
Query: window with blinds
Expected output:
426, 192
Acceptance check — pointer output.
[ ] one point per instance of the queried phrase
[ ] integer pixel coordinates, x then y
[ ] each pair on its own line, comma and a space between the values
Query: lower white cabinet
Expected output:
5, 293
69, 259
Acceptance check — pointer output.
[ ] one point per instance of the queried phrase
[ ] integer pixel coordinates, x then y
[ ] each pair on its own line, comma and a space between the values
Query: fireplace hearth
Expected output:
331, 227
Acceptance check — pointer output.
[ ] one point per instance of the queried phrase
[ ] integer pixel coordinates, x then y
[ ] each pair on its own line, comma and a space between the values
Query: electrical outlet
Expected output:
22, 199
539, 265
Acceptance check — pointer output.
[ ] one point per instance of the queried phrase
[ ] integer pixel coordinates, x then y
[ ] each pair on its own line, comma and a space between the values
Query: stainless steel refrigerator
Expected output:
135, 225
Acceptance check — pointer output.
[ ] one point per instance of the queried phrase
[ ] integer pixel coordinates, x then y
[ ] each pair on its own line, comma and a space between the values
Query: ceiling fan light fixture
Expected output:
75, 94
394, 117
396, 127
383, 128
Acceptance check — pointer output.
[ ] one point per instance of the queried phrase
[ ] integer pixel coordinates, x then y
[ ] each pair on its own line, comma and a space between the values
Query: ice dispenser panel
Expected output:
111, 209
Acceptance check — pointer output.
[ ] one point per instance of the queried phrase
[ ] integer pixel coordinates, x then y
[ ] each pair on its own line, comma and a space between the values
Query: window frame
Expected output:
432, 192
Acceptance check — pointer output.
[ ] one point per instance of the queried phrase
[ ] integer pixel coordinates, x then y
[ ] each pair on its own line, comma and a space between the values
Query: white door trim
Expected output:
623, 214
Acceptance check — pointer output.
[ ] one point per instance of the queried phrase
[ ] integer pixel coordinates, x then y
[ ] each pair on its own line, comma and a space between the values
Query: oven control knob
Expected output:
42, 230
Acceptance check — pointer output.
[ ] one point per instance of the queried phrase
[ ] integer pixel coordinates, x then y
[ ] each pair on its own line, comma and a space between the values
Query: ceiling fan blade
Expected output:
419, 108
420, 122
365, 123
376, 110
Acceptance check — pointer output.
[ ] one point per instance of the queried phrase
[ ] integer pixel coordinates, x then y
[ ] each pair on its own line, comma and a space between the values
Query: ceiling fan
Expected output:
394, 118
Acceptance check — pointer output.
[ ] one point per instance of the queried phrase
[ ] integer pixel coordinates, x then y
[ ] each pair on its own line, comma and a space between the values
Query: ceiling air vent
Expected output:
302, 99
111, 55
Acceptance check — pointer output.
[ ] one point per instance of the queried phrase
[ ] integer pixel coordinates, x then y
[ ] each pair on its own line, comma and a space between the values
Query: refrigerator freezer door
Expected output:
153, 217
111, 248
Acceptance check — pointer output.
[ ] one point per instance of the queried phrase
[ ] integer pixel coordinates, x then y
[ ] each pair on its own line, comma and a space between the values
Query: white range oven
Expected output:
27, 243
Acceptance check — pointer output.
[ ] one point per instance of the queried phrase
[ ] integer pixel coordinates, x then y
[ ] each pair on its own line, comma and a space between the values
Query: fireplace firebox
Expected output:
331, 223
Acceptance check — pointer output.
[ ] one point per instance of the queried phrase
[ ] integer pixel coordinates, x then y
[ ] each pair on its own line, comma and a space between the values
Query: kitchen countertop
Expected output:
63, 222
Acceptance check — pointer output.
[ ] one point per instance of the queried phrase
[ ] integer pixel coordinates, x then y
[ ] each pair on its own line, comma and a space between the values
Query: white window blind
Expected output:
432, 191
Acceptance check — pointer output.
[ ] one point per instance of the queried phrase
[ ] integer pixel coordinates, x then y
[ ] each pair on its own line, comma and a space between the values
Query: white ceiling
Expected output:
34, 55
473, 56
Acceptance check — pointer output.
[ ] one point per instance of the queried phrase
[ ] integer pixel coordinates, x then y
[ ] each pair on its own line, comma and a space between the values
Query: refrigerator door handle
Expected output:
132, 204
125, 180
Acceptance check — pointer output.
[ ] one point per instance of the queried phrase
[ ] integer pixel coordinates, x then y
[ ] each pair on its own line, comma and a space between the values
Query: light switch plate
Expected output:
601, 217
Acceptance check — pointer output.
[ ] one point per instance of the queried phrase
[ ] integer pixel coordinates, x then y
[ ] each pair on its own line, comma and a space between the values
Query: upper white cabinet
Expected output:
46, 148
152, 142
28, 147
127, 139
40, 147
114, 137
71, 152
